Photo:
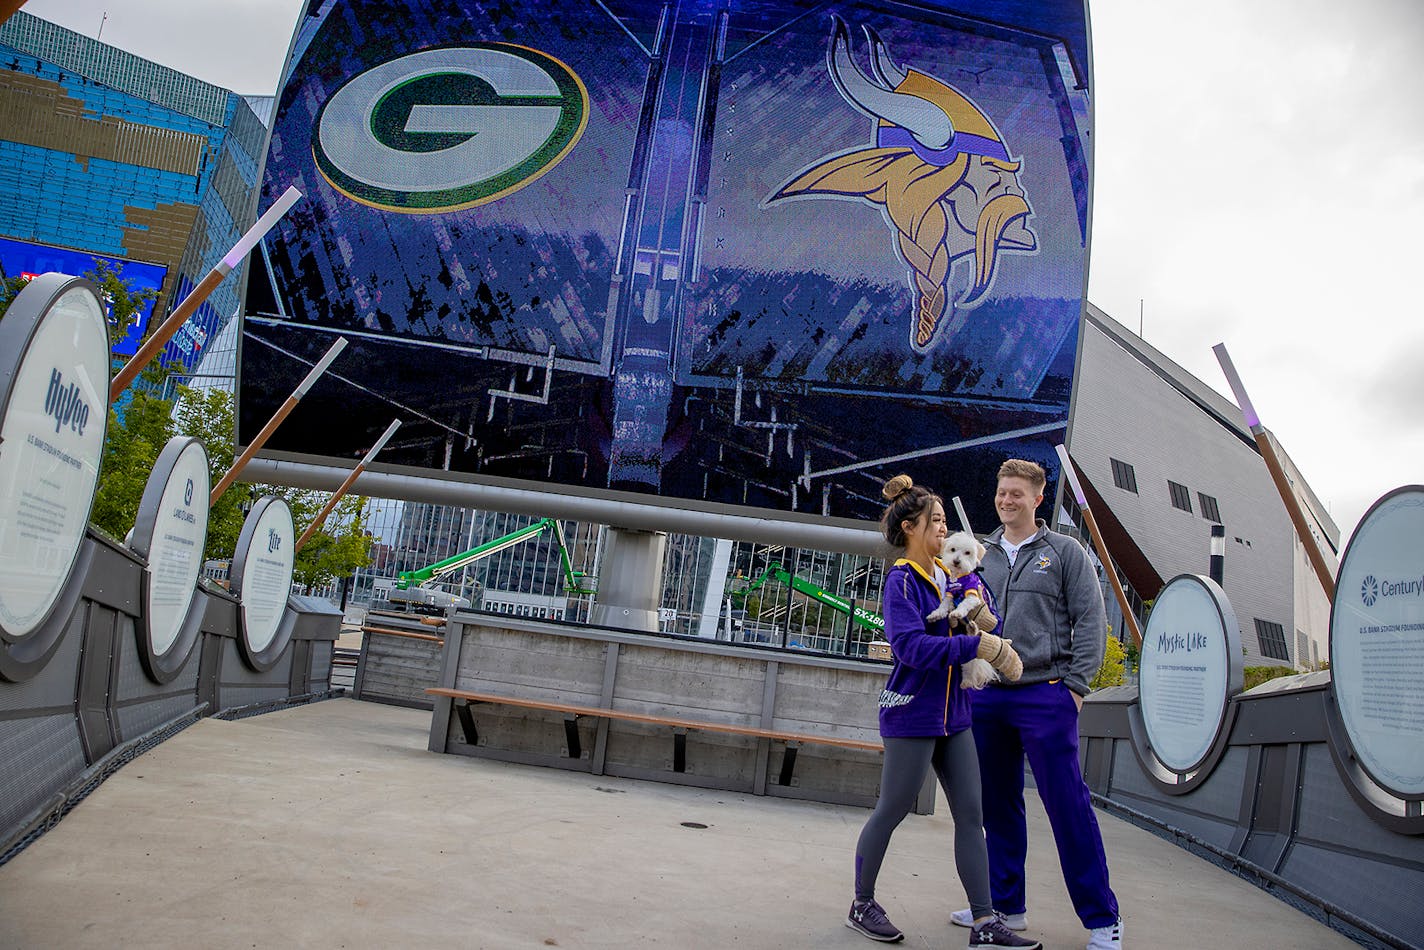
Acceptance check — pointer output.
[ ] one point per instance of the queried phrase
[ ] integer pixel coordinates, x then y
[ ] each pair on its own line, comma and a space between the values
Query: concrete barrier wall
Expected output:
663, 676
1275, 800
400, 657
92, 697
228, 682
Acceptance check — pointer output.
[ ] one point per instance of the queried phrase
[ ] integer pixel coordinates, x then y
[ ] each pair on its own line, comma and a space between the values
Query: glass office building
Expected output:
109, 154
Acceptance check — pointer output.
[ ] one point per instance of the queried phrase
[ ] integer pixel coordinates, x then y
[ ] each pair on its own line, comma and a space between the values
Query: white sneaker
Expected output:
965, 918
1106, 938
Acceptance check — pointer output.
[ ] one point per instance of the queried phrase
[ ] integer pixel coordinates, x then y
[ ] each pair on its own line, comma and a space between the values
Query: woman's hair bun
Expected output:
897, 486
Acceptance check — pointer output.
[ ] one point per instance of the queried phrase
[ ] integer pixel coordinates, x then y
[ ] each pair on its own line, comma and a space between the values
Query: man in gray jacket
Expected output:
1052, 606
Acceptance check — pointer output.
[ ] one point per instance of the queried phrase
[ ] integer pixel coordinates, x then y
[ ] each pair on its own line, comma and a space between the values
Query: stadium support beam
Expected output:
463, 491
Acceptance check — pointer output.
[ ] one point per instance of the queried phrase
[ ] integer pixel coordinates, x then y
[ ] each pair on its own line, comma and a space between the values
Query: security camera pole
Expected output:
350, 480
1100, 544
1278, 474
160, 337
276, 420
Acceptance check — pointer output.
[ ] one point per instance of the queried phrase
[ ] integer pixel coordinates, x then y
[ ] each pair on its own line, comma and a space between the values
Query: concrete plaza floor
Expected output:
331, 825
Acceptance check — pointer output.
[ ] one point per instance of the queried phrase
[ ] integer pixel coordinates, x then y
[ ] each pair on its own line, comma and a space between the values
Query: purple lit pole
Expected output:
1278, 474
206, 286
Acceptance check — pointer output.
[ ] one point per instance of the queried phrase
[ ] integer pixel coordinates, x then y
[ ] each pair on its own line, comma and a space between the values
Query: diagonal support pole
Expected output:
185, 309
276, 420
1100, 544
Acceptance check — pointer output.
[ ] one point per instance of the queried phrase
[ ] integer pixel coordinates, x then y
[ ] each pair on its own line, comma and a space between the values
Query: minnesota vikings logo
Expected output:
938, 168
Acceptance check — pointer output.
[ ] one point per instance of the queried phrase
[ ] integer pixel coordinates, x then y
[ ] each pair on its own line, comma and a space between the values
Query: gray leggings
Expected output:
957, 765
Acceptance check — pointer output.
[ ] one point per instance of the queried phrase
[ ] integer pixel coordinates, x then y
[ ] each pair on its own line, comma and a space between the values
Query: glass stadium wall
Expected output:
108, 153
710, 586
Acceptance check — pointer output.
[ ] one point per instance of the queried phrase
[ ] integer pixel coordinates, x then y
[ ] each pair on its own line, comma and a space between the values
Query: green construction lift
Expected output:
575, 582
868, 619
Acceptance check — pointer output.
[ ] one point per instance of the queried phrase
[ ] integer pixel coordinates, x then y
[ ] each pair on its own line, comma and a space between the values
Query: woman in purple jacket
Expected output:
924, 719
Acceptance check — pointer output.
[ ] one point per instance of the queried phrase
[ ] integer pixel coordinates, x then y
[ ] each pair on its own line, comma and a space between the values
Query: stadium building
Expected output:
109, 154
1160, 473
1157, 480
106, 154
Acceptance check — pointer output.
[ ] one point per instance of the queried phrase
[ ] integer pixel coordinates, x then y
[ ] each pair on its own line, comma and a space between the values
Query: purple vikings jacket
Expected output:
922, 696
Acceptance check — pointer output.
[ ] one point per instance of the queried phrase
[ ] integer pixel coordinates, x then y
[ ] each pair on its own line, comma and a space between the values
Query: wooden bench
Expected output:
466, 699
408, 634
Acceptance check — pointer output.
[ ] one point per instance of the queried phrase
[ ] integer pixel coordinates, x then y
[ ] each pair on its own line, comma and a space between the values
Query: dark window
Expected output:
1123, 476
1181, 497
1272, 637
1208, 508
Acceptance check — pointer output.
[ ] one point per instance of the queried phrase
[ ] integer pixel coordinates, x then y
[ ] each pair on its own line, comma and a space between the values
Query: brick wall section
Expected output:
160, 234
38, 112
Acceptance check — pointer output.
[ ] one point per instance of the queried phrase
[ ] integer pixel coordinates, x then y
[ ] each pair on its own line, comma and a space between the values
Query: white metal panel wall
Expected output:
1126, 411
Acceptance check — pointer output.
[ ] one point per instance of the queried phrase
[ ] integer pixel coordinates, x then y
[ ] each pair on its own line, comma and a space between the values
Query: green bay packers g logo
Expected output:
449, 128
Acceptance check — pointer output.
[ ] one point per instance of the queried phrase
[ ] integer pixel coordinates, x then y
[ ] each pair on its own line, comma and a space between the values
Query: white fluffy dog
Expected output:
962, 553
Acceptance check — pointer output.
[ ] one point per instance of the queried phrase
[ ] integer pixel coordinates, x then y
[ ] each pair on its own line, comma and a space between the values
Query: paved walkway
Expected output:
330, 825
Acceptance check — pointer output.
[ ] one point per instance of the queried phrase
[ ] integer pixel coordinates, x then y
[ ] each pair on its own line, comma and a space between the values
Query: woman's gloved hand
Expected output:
1001, 655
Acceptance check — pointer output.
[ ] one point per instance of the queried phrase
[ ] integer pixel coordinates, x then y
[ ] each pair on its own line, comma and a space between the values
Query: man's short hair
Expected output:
1030, 472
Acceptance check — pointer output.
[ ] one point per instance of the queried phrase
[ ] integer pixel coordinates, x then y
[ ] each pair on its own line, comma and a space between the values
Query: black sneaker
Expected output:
994, 933
869, 918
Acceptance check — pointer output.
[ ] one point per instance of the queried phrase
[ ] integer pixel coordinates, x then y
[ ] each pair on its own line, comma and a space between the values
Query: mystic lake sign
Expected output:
1191, 665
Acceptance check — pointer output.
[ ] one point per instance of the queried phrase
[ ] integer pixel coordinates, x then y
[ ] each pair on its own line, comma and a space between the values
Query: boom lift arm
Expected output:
575, 582
866, 618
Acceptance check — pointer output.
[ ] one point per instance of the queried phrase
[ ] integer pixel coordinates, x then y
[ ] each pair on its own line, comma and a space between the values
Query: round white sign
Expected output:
1377, 642
51, 442
1184, 673
175, 553
266, 579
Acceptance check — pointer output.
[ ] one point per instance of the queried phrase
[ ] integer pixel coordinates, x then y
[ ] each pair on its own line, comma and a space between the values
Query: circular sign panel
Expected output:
55, 406
1377, 642
262, 571
1186, 670
170, 532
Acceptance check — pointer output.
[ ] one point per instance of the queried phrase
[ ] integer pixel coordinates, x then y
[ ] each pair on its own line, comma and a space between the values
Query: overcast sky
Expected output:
1258, 182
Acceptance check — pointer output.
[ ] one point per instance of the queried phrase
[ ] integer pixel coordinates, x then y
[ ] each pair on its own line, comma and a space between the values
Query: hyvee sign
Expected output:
54, 381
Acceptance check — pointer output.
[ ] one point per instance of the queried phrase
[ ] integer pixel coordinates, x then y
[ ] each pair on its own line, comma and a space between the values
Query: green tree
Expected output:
1132, 656
208, 415
134, 440
1111, 673
333, 552
338, 548
120, 300
9, 287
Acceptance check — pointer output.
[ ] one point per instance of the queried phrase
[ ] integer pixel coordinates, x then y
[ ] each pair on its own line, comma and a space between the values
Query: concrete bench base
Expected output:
678, 710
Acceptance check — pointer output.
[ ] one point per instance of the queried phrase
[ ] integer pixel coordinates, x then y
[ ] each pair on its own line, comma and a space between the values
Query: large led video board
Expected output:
754, 254
28, 259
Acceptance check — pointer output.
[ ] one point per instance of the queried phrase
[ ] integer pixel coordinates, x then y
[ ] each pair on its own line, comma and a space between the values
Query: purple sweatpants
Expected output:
1041, 721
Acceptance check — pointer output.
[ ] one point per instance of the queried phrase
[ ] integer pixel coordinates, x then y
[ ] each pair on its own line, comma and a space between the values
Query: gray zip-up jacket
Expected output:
1052, 604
